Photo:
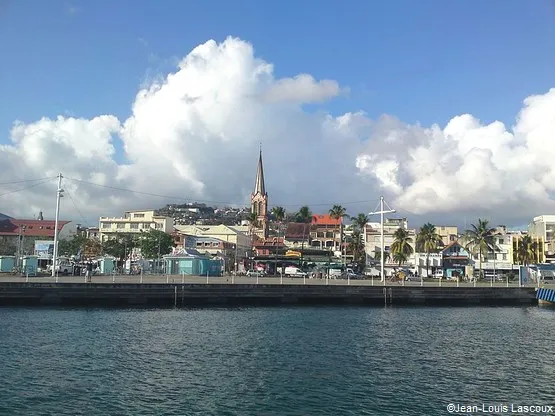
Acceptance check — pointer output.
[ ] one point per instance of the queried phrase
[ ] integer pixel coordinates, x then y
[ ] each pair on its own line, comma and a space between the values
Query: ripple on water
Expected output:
272, 361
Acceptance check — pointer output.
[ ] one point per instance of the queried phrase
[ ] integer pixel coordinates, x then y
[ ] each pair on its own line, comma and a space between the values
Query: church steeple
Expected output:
259, 201
259, 187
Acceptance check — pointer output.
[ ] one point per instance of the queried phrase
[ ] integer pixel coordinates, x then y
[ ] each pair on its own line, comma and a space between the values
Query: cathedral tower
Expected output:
259, 201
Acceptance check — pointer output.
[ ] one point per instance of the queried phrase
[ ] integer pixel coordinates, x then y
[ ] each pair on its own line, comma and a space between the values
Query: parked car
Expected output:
255, 273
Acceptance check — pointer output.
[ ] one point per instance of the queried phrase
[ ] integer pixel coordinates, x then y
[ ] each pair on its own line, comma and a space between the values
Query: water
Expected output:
278, 361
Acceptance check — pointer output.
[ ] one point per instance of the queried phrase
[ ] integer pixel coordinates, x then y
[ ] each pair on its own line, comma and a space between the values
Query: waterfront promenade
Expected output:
191, 291
243, 280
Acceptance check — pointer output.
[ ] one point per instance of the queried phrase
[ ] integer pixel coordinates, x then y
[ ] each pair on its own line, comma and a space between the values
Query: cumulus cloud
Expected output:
194, 134
468, 166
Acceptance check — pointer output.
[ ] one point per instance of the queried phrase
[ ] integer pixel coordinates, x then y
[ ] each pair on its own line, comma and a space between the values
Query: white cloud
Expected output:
468, 166
195, 134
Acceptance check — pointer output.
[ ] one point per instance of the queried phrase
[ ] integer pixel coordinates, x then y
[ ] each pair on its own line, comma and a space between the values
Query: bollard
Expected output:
507, 280
141, 277
207, 277
256, 278
304, 279
167, 278
114, 278
372, 280
183, 278
281, 279
348, 279
27, 277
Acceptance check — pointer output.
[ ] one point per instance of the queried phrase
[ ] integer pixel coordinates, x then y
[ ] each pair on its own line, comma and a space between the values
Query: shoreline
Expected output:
201, 294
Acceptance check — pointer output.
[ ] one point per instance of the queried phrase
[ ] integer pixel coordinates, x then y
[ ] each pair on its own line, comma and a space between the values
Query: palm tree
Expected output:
527, 250
304, 215
278, 213
337, 212
401, 248
356, 246
360, 221
480, 240
428, 241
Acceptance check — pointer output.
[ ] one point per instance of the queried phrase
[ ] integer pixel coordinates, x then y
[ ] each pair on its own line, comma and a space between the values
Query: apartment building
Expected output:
325, 232
133, 222
542, 229
373, 237
448, 233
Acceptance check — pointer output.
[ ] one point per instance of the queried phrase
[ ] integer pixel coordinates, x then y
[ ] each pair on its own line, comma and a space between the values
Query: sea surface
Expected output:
274, 361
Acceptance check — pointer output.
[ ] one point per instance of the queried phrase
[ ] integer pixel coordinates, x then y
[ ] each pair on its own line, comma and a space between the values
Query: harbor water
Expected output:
273, 361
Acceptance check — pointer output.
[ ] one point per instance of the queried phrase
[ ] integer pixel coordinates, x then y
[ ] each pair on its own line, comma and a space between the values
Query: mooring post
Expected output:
175, 296
256, 278
167, 278
304, 279
348, 279
507, 280
27, 277
113, 278
141, 275
385, 295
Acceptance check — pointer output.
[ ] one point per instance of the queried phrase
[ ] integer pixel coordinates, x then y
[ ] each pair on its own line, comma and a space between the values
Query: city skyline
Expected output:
412, 116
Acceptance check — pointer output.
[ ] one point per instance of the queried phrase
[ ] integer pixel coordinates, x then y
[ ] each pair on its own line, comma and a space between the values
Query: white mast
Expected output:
382, 211
59, 194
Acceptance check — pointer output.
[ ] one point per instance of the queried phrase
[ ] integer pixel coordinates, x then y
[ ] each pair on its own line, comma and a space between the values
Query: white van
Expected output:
294, 272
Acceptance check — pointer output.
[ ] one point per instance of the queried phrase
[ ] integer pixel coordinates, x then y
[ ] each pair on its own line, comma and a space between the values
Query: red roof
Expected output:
325, 219
33, 228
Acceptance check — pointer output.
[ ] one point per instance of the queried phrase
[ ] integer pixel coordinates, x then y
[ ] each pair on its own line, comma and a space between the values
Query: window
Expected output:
105, 225
501, 241
134, 226
146, 225
121, 225
199, 244
138, 215
159, 226
504, 256
206, 244
215, 244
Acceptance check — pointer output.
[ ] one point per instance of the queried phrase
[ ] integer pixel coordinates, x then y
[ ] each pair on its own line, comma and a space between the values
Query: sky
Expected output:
445, 108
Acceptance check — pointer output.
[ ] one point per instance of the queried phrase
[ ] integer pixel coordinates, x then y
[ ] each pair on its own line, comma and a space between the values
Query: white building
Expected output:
372, 244
237, 235
543, 228
133, 222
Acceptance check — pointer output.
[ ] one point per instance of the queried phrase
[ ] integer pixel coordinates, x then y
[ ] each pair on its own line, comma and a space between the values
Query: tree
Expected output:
155, 243
304, 215
480, 240
360, 221
72, 246
527, 250
7, 248
356, 247
278, 213
428, 241
120, 246
252, 218
401, 248
337, 212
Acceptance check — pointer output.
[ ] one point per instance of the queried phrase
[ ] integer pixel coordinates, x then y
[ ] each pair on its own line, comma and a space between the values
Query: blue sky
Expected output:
420, 60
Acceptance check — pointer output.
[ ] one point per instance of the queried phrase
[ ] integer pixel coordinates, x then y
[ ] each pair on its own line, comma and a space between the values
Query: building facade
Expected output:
133, 222
448, 233
19, 235
259, 203
325, 233
542, 229
372, 244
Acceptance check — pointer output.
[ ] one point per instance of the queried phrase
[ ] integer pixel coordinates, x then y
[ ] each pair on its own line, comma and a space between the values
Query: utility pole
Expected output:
382, 211
59, 194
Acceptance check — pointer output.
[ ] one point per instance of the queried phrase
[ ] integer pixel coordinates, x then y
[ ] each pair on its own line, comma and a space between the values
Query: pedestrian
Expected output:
88, 273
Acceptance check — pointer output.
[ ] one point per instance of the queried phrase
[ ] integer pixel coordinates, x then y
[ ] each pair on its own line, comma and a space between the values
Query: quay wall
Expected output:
195, 295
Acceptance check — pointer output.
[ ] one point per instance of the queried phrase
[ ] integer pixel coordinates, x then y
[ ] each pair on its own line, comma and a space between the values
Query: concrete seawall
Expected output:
194, 295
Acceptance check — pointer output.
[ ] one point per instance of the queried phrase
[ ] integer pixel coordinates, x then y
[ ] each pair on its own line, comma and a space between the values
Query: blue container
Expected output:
7, 263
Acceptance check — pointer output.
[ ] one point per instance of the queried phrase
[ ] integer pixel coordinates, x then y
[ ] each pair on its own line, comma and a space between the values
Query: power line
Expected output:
26, 180
28, 187
115, 188
85, 222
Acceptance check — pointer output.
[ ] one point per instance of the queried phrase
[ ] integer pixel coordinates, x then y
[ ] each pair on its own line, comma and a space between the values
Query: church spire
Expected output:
259, 186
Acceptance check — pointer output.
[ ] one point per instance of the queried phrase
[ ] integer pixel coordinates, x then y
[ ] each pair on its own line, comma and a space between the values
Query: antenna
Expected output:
382, 211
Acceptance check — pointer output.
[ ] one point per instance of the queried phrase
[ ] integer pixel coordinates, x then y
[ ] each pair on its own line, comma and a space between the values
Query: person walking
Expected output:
88, 273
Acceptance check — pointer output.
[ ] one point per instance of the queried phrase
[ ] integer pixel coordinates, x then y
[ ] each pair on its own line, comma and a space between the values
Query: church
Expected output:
259, 202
